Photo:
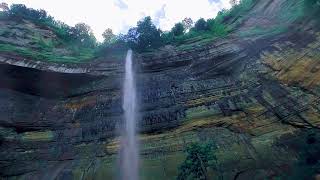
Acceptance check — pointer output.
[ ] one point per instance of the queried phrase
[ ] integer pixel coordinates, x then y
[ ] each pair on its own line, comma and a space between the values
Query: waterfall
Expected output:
129, 145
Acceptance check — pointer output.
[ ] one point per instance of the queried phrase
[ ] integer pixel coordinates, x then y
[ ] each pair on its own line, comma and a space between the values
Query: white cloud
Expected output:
119, 15
121, 4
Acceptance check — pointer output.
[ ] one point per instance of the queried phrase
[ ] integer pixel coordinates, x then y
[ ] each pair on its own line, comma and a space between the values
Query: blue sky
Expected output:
120, 15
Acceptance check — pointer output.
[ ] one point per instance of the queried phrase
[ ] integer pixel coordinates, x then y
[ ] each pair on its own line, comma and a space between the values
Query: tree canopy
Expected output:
4, 6
178, 29
21, 11
201, 25
145, 36
199, 157
84, 35
187, 23
108, 36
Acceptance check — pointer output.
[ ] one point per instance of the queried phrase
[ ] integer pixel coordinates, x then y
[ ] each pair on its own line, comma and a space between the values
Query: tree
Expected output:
18, 10
83, 34
149, 35
4, 6
131, 38
145, 36
201, 25
82, 29
199, 158
108, 36
178, 29
187, 23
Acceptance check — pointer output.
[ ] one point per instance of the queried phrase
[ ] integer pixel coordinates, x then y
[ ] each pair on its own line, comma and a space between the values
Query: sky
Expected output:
120, 15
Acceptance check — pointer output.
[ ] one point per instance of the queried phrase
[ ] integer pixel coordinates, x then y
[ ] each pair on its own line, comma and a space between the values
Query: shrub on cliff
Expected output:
199, 157
217, 28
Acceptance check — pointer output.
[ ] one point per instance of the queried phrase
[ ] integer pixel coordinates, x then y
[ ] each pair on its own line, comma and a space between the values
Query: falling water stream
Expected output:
129, 146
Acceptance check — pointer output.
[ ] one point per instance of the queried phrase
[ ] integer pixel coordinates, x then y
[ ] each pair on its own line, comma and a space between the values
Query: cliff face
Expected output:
254, 93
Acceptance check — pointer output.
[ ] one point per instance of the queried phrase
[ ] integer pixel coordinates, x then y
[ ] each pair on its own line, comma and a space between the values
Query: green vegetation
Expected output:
108, 36
207, 30
201, 25
237, 11
42, 55
80, 45
144, 37
80, 35
187, 23
67, 44
312, 8
199, 158
178, 29
263, 32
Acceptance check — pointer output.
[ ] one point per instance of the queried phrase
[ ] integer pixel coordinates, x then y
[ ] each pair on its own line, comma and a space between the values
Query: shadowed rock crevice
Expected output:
42, 83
